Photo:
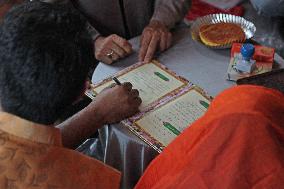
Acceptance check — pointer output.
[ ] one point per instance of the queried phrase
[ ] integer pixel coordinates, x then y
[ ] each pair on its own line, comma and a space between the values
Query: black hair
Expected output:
281, 27
45, 54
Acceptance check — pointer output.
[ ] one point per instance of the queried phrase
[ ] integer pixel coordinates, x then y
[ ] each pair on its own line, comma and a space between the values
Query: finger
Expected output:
152, 47
134, 105
123, 43
106, 60
133, 110
114, 56
109, 87
102, 56
112, 85
141, 39
169, 40
88, 84
144, 46
138, 101
118, 50
134, 93
163, 42
127, 86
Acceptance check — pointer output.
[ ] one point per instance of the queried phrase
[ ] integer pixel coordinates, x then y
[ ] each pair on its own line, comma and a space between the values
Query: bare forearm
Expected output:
80, 126
110, 106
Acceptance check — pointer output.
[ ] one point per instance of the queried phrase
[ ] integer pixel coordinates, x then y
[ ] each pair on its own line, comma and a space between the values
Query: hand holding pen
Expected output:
117, 102
133, 92
116, 81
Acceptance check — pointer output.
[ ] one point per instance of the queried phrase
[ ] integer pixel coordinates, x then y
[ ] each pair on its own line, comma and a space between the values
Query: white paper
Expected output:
149, 85
179, 113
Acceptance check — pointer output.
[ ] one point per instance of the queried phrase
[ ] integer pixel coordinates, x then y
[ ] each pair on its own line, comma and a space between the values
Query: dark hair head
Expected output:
45, 54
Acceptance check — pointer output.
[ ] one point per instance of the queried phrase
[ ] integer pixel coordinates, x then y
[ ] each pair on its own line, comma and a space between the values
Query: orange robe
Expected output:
237, 144
32, 157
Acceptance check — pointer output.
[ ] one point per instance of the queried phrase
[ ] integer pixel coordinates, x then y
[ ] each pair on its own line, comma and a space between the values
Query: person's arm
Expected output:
107, 49
80, 126
169, 12
157, 35
110, 106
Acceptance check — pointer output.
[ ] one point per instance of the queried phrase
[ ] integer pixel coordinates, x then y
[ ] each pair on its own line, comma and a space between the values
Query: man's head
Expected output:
45, 53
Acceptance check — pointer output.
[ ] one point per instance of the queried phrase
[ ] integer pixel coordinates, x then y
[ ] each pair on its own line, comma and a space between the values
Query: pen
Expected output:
116, 81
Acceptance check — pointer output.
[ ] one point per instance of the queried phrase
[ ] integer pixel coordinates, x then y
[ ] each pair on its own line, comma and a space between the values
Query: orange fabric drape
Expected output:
32, 157
237, 144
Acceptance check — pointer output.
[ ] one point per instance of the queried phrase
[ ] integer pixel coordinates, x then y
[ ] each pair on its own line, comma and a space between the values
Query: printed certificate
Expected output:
170, 103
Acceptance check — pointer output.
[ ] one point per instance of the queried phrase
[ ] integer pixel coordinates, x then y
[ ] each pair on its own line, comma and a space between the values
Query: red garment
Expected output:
199, 9
237, 144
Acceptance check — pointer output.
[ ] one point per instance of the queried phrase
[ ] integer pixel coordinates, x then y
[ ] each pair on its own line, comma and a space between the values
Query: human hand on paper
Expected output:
117, 103
156, 36
111, 48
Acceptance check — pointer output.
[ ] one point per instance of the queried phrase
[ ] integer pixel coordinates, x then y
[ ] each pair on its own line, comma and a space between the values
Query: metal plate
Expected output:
248, 27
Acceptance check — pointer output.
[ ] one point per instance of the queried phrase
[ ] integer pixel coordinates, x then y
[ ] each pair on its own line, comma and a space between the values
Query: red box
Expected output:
261, 54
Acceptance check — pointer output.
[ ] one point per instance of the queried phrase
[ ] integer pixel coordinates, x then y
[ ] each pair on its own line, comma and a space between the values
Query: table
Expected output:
204, 67
116, 145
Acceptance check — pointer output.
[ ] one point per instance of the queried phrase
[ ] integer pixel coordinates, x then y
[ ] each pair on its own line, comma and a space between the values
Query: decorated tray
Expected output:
247, 27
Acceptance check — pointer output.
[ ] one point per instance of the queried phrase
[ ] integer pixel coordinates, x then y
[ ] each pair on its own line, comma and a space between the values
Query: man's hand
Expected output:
155, 36
111, 48
117, 103
110, 106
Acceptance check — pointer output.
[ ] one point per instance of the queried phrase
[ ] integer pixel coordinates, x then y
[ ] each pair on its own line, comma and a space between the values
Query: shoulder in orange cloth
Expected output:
237, 144
32, 156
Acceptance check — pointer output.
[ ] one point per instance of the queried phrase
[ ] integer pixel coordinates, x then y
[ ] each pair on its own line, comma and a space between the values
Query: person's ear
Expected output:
87, 85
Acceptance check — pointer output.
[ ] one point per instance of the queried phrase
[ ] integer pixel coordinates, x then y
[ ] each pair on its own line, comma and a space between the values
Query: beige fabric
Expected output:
106, 16
32, 156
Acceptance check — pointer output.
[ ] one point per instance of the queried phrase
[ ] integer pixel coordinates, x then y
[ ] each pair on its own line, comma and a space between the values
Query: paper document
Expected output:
170, 103
151, 81
170, 120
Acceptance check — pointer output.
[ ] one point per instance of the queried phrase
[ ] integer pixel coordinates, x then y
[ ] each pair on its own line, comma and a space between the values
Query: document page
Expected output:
168, 121
152, 81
